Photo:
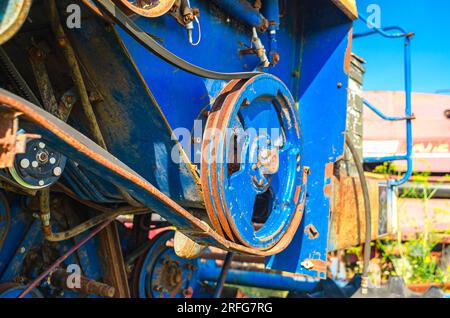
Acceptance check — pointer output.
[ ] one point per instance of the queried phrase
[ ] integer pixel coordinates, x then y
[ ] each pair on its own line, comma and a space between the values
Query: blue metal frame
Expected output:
408, 117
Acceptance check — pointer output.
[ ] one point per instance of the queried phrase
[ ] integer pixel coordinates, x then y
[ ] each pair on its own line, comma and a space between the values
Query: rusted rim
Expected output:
161, 8
22, 10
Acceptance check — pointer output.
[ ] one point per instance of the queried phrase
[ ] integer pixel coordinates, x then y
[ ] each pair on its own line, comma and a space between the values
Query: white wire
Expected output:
199, 32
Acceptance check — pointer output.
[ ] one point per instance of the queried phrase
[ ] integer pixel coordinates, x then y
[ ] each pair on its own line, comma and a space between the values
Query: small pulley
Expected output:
39, 167
147, 8
160, 273
251, 170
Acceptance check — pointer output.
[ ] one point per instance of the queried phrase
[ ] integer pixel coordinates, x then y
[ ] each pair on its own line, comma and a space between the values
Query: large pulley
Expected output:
13, 14
251, 169
147, 8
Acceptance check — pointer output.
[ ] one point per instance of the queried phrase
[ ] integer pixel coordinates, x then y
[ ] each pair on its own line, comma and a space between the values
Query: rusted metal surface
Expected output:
11, 143
312, 231
113, 261
75, 72
317, 265
198, 228
147, 8
347, 226
348, 7
87, 286
60, 110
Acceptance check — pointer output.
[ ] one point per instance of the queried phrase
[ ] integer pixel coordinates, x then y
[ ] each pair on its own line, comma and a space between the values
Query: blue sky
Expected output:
430, 21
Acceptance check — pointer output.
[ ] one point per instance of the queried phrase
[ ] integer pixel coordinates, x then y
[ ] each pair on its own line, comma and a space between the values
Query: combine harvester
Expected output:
224, 120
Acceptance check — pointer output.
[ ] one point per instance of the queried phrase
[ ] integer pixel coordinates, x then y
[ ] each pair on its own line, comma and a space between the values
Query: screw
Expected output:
57, 171
41, 182
41, 145
52, 161
25, 163
34, 164
307, 264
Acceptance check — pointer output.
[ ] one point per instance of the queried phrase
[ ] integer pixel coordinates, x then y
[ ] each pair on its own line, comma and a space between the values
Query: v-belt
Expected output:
112, 10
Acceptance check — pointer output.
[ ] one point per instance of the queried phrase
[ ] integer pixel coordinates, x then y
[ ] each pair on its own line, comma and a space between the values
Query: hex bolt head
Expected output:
24, 163
52, 160
41, 145
34, 164
57, 171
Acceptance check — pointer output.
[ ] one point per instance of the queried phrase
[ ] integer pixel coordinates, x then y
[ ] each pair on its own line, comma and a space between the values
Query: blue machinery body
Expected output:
150, 112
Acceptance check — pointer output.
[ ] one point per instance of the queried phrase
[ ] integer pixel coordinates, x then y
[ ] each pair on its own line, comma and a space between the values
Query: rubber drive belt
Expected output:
149, 43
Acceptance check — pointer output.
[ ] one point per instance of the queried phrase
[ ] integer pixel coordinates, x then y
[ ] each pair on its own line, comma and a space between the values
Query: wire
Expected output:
81, 228
199, 32
367, 210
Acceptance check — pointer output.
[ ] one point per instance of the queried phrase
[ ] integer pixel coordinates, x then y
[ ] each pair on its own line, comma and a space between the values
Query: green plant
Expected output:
413, 259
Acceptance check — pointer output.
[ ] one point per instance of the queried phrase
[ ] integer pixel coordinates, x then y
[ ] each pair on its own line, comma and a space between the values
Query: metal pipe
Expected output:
223, 274
259, 279
408, 111
384, 159
271, 10
77, 78
244, 11
367, 213
45, 215
408, 91
61, 259
75, 71
383, 116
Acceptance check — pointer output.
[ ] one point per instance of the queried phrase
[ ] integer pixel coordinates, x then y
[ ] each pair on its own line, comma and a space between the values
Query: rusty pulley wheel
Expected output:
13, 14
147, 8
251, 170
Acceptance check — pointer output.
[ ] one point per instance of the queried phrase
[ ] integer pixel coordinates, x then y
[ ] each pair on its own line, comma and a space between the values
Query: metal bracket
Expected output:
11, 143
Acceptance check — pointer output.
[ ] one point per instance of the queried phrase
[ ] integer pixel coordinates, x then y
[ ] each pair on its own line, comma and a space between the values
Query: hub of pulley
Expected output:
251, 167
39, 167
160, 273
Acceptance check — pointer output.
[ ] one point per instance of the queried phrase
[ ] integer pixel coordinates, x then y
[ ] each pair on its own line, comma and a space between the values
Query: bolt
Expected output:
41, 145
52, 160
339, 85
25, 163
57, 171
42, 156
307, 264
255, 166
41, 182
34, 164
158, 288
22, 250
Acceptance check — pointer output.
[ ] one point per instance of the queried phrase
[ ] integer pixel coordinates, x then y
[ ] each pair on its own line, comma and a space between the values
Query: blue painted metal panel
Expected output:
322, 107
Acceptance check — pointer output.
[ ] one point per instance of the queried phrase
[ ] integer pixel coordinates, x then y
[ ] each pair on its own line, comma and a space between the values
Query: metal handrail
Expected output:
408, 117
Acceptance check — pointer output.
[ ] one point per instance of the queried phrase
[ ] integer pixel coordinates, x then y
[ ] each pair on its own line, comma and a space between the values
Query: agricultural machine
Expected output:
224, 121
